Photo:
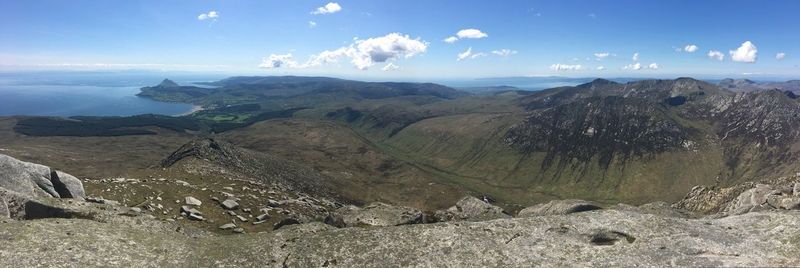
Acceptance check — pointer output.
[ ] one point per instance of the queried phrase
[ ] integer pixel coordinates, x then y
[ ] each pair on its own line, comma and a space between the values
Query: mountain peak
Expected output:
167, 83
598, 82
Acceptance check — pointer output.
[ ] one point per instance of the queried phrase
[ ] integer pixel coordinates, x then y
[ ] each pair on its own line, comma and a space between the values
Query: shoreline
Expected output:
195, 108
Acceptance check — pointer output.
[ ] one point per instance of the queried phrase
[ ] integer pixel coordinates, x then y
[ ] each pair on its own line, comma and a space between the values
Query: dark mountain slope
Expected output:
259, 166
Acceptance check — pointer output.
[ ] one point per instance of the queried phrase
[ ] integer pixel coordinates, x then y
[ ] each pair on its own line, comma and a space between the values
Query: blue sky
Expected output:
405, 39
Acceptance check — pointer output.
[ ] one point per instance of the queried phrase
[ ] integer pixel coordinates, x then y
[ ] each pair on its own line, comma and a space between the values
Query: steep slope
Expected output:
633, 142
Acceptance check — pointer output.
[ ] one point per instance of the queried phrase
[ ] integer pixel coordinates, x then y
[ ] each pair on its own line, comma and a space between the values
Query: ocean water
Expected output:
88, 94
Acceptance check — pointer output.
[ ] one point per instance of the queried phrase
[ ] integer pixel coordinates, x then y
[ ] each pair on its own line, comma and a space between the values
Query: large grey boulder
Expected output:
375, 214
558, 207
470, 208
36, 180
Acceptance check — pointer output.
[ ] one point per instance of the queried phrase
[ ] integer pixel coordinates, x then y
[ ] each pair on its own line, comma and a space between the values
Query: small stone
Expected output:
190, 210
136, 210
196, 217
241, 218
230, 212
230, 204
227, 226
246, 210
262, 217
193, 201
796, 189
238, 230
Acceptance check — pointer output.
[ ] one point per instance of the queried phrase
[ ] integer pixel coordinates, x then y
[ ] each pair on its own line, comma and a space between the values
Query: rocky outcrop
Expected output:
558, 207
375, 214
36, 180
779, 193
470, 208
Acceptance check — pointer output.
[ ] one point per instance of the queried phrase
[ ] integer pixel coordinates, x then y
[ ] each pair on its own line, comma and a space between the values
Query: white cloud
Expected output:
747, 52
329, 8
466, 33
471, 33
633, 66
210, 15
635, 56
566, 67
600, 68
690, 48
469, 55
390, 67
362, 53
278, 61
653, 66
780, 56
504, 52
601, 55
312, 24
716, 55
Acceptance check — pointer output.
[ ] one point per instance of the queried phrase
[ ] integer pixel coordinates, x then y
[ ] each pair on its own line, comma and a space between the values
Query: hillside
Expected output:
611, 142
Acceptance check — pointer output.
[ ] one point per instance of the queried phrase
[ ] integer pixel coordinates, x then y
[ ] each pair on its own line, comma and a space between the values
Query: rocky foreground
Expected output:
747, 225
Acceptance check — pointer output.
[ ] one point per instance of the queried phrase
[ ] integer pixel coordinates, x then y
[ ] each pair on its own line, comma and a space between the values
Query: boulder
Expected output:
67, 185
378, 214
558, 207
470, 208
758, 198
36, 180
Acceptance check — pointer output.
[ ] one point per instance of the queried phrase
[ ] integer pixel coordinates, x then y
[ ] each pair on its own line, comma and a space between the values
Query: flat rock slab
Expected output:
558, 207
602, 238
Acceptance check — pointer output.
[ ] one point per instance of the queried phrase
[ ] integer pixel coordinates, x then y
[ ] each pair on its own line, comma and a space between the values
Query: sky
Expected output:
407, 39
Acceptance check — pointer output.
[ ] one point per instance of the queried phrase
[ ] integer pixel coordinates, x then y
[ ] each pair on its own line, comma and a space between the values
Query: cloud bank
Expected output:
362, 53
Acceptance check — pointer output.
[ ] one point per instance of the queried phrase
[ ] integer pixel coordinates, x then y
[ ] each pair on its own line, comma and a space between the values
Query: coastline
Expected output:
195, 108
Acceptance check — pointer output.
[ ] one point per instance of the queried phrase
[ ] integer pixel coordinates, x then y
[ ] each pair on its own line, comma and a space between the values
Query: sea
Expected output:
88, 93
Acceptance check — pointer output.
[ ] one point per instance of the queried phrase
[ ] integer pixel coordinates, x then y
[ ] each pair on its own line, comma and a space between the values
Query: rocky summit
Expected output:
47, 223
